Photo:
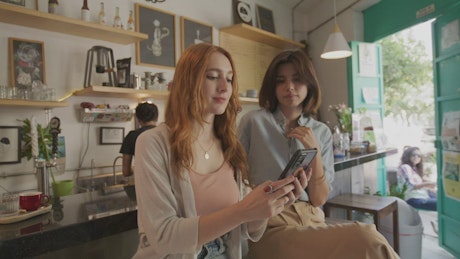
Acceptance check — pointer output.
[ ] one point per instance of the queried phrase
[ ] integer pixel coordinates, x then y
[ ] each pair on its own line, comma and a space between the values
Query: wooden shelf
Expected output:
31, 103
119, 92
22, 16
255, 34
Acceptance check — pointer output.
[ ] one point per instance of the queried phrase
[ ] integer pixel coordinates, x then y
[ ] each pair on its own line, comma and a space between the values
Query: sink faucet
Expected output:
114, 172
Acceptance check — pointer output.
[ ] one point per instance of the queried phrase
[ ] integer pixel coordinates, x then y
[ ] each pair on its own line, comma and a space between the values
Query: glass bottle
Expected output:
102, 18
85, 11
53, 6
130, 24
117, 19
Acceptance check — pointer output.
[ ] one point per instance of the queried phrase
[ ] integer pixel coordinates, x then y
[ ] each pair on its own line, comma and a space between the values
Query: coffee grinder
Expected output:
104, 64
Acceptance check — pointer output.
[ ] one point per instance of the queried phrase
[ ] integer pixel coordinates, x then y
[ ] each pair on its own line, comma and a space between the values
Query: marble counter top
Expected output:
348, 162
73, 220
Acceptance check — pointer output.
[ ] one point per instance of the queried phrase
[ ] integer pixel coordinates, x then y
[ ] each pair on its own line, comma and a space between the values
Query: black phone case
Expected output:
302, 157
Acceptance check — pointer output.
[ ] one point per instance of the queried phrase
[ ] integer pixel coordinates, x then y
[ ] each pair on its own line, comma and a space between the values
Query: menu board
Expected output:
450, 137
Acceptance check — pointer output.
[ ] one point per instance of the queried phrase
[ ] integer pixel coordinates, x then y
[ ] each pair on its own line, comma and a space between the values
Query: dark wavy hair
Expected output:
307, 73
405, 159
146, 112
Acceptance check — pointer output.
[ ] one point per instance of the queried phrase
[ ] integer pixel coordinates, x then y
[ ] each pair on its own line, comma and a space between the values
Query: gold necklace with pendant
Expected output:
206, 154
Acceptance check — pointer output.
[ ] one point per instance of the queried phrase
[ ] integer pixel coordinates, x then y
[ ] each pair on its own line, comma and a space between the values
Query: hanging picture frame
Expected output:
10, 145
27, 62
265, 19
193, 32
159, 49
111, 135
243, 12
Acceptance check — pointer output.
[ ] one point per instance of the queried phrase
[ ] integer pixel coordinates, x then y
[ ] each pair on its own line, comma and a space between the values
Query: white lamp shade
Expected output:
336, 46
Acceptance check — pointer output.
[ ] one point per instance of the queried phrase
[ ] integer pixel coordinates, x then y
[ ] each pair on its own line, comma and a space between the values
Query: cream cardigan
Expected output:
167, 220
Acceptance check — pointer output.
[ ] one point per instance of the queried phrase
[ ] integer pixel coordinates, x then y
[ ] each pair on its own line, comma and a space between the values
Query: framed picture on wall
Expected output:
111, 135
16, 2
265, 19
10, 145
193, 32
27, 62
243, 12
159, 49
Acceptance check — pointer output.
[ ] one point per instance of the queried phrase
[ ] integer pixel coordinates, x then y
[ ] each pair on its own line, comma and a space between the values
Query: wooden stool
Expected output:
378, 206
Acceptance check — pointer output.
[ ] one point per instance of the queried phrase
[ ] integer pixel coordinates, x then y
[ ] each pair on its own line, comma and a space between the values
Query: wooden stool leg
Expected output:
349, 214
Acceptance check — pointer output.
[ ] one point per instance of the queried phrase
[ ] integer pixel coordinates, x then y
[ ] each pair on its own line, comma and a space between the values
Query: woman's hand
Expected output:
268, 199
301, 181
305, 136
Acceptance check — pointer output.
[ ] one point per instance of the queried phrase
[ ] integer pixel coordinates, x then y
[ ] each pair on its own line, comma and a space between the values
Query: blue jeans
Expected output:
215, 249
424, 204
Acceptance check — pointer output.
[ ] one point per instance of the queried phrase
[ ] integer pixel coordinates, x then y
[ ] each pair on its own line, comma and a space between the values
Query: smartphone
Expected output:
301, 158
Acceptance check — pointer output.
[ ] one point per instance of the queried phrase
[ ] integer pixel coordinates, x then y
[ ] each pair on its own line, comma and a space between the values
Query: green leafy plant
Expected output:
44, 142
343, 114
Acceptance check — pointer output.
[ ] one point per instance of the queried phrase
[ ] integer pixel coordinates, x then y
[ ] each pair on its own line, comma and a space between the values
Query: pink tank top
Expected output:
214, 191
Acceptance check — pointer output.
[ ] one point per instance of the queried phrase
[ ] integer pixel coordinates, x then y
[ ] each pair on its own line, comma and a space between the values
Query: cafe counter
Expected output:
72, 221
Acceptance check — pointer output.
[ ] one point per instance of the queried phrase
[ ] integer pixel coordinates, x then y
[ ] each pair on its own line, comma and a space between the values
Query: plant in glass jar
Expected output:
343, 114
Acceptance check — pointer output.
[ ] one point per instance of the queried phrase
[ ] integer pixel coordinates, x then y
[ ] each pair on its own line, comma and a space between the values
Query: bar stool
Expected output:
378, 206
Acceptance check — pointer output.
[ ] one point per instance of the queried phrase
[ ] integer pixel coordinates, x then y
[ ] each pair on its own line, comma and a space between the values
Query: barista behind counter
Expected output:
147, 116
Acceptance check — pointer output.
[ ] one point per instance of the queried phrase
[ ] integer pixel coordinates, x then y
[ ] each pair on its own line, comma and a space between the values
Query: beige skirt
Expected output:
300, 231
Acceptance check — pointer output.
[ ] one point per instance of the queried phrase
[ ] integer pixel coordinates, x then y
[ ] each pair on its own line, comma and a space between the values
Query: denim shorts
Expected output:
215, 249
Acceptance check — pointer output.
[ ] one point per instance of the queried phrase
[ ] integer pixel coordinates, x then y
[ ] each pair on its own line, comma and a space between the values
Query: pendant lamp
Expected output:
336, 45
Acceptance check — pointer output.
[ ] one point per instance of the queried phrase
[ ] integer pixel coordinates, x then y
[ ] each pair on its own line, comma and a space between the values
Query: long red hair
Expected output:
186, 104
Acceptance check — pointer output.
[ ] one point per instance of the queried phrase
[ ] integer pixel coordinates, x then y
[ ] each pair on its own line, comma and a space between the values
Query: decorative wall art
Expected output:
16, 2
111, 135
243, 12
27, 62
159, 48
10, 145
265, 19
193, 32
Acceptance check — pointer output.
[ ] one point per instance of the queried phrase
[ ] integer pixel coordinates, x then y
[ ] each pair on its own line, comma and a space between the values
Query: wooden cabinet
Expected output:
252, 50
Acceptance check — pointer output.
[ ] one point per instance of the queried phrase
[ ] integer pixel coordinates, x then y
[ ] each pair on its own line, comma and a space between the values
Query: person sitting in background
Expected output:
420, 194
147, 116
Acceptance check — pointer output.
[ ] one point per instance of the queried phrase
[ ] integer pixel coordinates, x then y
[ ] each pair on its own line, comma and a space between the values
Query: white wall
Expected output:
65, 58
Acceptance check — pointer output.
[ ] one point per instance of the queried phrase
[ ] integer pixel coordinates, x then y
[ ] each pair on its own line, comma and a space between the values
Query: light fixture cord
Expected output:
335, 13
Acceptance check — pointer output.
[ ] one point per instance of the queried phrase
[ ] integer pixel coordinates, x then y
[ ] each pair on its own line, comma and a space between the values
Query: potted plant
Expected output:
44, 143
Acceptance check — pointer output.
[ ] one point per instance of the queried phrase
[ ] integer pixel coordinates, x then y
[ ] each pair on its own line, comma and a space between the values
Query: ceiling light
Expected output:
336, 45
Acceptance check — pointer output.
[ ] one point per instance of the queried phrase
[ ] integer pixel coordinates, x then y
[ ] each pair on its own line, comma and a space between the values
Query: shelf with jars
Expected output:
22, 16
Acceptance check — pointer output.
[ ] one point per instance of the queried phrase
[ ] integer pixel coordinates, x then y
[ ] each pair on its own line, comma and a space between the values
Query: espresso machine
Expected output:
104, 64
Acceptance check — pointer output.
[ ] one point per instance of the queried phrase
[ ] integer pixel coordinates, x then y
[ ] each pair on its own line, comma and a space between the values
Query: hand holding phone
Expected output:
301, 158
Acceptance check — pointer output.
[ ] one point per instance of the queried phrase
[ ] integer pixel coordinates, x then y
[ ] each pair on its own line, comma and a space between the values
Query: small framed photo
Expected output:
10, 145
159, 49
193, 32
27, 62
123, 72
265, 19
111, 135
16, 2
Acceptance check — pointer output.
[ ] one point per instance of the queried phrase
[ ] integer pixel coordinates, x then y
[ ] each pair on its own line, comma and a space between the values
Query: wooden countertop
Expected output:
348, 162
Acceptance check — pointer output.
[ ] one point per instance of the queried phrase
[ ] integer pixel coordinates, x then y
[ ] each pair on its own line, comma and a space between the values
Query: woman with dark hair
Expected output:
193, 195
289, 97
420, 194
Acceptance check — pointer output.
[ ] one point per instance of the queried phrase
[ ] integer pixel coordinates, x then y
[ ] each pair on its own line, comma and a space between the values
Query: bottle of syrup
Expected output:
130, 23
117, 20
102, 18
85, 11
